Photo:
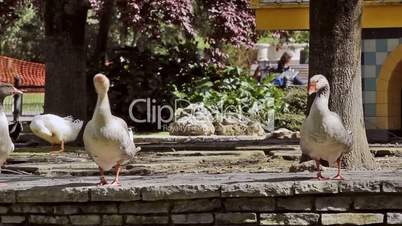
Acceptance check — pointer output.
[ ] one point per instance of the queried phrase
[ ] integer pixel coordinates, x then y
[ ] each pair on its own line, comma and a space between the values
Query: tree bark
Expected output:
104, 27
65, 58
335, 36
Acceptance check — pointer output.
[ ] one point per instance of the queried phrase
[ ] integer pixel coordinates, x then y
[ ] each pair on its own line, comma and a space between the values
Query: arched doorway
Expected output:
389, 92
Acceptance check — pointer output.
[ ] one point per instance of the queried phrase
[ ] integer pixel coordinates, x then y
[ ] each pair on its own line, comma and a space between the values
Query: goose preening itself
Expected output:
107, 138
323, 135
55, 129
6, 144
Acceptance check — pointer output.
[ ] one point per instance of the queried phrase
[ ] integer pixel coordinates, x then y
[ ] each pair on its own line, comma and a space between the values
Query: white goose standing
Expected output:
107, 137
323, 135
6, 144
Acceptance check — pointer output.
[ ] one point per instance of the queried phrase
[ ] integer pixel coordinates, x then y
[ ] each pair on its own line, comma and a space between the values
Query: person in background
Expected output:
283, 63
283, 67
262, 70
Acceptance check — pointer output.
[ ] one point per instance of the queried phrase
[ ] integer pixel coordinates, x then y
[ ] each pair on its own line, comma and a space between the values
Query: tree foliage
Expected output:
23, 38
163, 23
8, 13
231, 21
151, 44
169, 42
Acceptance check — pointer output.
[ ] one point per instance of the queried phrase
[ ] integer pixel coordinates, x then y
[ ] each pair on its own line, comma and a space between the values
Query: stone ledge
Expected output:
186, 191
36, 189
204, 199
195, 139
352, 218
213, 142
289, 219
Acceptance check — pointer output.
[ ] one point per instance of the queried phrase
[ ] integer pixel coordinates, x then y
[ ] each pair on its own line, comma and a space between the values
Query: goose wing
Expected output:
336, 131
328, 132
118, 132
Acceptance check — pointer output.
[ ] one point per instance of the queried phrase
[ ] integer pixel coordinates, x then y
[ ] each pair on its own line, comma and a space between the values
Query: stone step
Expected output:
365, 198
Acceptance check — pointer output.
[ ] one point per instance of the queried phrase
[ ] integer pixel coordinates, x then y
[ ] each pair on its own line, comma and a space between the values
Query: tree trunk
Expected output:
335, 36
98, 57
65, 58
104, 27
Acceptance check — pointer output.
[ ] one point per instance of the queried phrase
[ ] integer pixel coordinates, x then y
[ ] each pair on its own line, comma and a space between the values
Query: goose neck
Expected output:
102, 109
320, 104
1, 104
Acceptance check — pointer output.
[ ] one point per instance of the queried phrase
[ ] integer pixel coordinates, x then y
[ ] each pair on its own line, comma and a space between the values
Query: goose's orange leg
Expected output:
319, 175
116, 180
61, 151
338, 175
102, 178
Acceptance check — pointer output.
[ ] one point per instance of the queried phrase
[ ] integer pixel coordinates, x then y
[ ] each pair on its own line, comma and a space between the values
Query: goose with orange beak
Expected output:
323, 135
107, 138
6, 144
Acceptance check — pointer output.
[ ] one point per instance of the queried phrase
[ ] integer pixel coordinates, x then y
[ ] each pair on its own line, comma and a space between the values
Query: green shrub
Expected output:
296, 99
289, 121
295, 105
232, 90
138, 73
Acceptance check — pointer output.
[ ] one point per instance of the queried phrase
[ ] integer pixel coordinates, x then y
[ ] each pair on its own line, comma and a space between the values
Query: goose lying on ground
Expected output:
323, 135
107, 137
6, 144
55, 129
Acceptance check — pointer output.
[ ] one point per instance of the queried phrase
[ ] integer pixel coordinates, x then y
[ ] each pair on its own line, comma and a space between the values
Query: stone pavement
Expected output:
365, 198
18, 182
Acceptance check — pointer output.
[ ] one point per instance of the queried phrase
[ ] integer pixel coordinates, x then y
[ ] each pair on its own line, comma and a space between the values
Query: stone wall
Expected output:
213, 200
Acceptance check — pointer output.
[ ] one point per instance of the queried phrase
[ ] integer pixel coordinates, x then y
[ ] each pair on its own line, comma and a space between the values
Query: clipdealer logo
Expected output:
164, 114
155, 113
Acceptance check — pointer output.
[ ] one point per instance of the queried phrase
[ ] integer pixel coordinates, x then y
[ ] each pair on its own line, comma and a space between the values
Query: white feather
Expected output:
323, 135
6, 144
55, 129
107, 138
130, 133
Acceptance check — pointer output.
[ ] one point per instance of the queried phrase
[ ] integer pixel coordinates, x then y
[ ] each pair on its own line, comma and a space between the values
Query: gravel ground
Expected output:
269, 159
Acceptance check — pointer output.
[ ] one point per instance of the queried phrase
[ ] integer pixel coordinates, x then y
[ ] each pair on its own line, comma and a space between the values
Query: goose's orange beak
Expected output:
312, 88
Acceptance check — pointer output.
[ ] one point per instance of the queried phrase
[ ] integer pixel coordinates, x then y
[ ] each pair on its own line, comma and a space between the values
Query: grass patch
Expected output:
31, 103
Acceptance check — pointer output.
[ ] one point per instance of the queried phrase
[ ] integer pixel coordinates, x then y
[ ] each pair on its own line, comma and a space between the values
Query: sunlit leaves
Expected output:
8, 12
219, 22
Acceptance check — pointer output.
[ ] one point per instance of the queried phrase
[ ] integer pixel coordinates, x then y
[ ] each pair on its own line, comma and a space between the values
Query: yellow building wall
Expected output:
375, 15
296, 17
389, 87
